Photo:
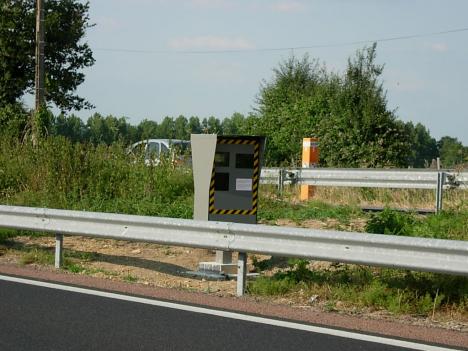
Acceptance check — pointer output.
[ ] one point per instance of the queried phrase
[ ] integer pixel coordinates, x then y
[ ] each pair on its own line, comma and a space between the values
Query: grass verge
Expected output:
354, 287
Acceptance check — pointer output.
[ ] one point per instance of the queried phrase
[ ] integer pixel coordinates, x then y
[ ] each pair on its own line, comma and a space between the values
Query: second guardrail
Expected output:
370, 178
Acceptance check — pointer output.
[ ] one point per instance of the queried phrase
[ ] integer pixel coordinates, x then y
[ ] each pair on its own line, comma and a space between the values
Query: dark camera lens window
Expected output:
244, 161
221, 159
221, 181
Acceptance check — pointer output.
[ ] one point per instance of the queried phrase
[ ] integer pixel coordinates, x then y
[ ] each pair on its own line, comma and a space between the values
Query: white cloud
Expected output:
287, 6
210, 42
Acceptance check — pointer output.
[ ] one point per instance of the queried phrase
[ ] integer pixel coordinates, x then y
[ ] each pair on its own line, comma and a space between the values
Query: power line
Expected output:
316, 46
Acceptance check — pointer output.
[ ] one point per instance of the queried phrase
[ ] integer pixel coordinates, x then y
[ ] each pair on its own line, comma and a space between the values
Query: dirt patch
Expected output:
329, 223
148, 264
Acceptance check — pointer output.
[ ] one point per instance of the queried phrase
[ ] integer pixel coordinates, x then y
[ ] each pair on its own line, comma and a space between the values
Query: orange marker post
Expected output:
310, 159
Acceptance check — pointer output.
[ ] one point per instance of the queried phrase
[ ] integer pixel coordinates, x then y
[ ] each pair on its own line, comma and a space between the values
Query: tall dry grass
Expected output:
453, 199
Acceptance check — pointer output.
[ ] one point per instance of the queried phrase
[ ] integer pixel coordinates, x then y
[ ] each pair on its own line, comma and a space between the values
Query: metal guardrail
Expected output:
365, 177
459, 179
434, 255
370, 178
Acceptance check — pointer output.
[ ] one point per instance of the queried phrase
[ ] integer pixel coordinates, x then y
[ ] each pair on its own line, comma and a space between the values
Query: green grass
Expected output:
6, 234
73, 267
79, 268
445, 225
80, 255
37, 256
130, 278
73, 261
450, 225
397, 291
272, 209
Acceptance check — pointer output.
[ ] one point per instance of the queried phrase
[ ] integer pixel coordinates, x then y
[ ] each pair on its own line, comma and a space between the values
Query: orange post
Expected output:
310, 159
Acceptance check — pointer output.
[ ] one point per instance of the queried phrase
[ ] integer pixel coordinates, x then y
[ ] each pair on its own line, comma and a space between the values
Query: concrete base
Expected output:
222, 268
207, 275
248, 275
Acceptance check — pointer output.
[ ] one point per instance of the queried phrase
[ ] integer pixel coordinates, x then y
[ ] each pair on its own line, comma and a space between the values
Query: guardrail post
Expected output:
280, 180
58, 250
440, 190
241, 273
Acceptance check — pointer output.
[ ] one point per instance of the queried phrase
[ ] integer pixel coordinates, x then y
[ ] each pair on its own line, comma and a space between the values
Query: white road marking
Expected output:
232, 315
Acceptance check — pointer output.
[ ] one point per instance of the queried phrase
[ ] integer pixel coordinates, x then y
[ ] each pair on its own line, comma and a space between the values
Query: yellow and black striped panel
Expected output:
234, 212
235, 141
256, 176
255, 179
212, 191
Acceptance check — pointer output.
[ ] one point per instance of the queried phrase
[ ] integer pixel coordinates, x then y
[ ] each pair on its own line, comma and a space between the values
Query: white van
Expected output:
155, 149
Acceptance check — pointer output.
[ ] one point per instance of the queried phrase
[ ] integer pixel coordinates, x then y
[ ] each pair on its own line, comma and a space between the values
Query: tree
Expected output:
97, 131
290, 106
235, 125
423, 146
194, 125
71, 127
347, 112
108, 130
181, 128
147, 129
167, 128
66, 22
16, 50
211, 125
360, 131
452, 152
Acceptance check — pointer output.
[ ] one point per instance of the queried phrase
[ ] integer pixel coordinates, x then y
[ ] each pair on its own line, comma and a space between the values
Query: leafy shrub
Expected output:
390, 222
61, 174
13, 120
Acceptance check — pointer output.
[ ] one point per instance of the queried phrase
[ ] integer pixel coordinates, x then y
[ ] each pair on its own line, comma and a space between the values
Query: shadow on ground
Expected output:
89, 257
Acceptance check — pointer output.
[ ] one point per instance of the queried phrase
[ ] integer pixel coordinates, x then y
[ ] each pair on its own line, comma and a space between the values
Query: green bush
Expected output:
390, 222
61, 174
13, 120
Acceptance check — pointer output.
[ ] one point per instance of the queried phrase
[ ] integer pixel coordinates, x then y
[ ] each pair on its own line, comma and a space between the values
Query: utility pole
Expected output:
40, 75
39, 72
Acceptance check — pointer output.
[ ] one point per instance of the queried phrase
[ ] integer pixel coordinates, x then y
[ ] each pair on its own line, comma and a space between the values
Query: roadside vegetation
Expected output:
62, 174
353, 288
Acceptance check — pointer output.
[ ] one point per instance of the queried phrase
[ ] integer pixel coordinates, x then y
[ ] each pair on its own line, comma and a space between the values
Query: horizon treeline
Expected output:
346, 110
107, 130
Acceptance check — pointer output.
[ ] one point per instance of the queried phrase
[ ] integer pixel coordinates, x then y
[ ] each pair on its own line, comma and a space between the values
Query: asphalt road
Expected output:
43, 318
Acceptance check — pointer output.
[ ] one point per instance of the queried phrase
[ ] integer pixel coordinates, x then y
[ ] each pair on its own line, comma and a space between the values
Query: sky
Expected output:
157, 58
